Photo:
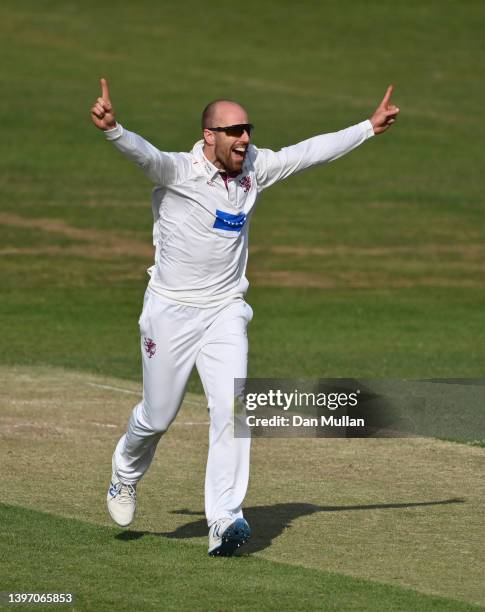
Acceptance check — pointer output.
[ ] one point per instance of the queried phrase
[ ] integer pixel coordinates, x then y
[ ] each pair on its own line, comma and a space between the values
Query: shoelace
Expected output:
217, 528
126, 492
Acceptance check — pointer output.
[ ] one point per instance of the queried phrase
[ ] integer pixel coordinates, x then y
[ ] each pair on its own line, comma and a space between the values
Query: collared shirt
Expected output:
201, 221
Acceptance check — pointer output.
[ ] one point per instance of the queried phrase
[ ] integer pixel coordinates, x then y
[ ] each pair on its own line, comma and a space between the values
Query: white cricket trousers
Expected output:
174, 338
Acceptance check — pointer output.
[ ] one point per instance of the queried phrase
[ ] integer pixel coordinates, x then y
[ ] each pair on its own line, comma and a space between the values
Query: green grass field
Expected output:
370, 267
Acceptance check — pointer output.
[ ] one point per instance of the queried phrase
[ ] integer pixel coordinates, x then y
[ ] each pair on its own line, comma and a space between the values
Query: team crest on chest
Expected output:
245, 183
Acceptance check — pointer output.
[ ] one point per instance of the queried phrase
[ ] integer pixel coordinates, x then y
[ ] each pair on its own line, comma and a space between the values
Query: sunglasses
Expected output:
234, 130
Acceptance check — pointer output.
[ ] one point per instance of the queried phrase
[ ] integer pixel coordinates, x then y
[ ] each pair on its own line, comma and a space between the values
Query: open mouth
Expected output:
239, 152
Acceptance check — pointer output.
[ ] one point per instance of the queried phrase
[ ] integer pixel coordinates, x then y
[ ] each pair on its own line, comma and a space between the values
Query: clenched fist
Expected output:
102, 113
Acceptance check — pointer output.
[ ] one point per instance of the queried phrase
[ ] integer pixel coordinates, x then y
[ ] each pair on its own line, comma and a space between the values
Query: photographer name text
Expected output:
299, 421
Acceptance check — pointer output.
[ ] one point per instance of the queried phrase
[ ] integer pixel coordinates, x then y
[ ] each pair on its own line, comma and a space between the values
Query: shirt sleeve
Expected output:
161, 168
272, 166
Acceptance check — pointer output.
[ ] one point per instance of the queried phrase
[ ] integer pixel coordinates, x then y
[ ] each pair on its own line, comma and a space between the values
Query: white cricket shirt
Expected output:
200, 230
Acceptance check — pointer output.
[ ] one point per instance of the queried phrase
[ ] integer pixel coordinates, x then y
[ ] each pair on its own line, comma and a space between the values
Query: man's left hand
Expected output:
385, 114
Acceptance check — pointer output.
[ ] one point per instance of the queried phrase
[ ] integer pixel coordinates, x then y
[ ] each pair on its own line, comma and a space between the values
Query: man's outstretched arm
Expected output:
160, 167
272, 167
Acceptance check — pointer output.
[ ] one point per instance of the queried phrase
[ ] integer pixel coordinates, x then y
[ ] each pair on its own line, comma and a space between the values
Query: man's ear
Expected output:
209, 137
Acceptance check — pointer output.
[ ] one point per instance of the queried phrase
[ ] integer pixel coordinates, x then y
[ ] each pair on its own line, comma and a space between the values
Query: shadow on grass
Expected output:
268, 522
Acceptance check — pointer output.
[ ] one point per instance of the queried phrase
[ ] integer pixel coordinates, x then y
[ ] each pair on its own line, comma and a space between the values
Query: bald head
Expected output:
223, 112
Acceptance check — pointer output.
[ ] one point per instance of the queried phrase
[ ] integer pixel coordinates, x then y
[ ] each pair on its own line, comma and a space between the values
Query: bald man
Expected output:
194, 312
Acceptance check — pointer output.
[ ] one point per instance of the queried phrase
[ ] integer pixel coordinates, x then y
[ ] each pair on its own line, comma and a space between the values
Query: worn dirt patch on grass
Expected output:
353, 280
468, 251
407, 512
102, 243
409, 265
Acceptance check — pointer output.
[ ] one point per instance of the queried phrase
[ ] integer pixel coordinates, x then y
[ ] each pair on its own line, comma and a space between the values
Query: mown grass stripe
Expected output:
108, 569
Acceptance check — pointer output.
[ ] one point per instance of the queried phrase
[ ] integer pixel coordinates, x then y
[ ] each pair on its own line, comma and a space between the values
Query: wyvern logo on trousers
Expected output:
150, 347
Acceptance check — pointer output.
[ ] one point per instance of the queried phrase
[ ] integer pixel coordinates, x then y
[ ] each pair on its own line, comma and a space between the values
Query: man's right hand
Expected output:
102, 113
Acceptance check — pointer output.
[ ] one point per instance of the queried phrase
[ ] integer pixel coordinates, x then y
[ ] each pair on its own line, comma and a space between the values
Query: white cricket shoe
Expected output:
227, 535
121, 500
